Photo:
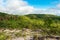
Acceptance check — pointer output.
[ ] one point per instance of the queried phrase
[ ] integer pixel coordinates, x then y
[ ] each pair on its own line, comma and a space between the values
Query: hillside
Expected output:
50, 24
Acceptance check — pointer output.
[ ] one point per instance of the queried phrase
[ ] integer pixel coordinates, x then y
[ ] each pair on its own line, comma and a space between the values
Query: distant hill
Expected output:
48, 23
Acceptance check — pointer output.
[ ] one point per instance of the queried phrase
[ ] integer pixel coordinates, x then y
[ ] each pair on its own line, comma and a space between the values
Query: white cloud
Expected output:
15, 7
20, 7
58, 6
54, 11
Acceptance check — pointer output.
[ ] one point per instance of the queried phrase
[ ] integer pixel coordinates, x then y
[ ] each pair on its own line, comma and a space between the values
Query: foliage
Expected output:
50, 24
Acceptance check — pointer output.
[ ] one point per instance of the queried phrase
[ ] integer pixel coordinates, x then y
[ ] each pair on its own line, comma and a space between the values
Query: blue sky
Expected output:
22, 7
42, 3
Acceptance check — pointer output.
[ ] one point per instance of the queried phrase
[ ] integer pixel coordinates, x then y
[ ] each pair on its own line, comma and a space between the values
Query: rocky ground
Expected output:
24, 34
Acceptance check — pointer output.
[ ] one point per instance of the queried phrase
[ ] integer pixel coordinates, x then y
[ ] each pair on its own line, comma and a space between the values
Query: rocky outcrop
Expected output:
26, 34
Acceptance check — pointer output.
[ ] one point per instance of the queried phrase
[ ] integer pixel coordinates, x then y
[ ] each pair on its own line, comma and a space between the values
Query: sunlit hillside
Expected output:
50, 24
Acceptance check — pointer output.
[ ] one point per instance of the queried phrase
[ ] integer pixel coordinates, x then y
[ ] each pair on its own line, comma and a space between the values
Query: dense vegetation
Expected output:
50, 24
